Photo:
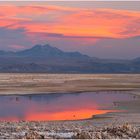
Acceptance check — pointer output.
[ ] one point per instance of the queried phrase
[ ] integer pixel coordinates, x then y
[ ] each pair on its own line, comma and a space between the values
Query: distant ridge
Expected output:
40, 50
48, 51
46, 58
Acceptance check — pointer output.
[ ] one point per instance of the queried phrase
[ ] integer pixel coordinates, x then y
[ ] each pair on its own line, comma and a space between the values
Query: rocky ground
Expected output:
86, 129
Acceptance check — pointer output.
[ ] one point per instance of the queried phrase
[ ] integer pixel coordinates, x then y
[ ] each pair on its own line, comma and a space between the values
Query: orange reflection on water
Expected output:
65, 115
58, 106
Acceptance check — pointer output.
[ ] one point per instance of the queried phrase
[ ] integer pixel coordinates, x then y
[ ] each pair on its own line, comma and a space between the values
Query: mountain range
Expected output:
45, 58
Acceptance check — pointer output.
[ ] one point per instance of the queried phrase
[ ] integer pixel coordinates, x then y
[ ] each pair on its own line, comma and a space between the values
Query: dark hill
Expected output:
45, 58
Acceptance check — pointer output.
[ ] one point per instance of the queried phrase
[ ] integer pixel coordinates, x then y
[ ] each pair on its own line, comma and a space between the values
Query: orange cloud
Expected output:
71, 22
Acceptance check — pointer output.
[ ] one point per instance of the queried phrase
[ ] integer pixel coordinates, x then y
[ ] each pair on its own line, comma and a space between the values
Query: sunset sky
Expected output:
99, 29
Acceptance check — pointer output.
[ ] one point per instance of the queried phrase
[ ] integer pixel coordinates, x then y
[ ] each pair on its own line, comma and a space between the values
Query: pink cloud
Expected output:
70, 22
16, 47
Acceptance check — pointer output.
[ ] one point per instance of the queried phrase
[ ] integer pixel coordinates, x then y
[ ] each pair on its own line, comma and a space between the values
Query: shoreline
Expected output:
22, 93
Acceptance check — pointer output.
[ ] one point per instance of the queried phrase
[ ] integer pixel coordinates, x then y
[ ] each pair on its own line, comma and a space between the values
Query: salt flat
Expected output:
17, 83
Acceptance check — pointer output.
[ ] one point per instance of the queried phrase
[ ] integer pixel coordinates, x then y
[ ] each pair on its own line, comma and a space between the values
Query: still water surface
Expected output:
59, 106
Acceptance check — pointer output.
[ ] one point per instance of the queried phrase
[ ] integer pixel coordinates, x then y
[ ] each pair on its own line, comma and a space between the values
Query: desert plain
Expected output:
17, 83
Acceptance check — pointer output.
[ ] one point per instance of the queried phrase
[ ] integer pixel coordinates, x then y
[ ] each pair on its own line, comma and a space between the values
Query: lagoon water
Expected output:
60, 106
